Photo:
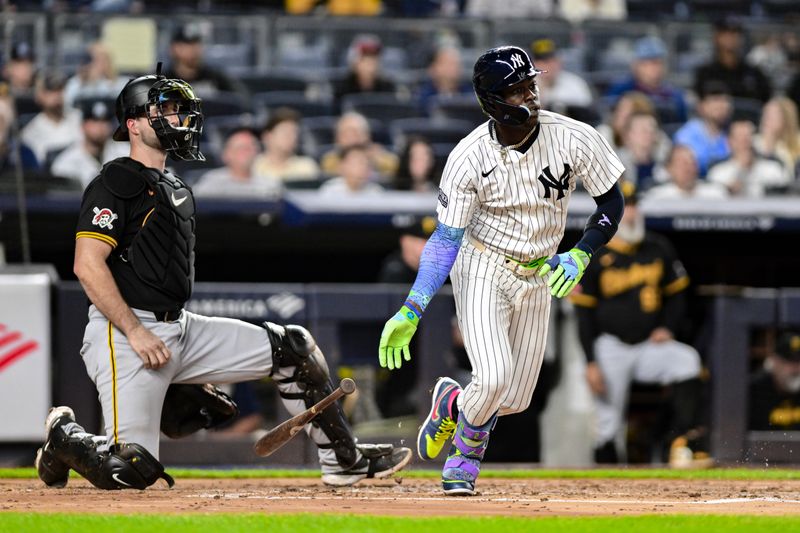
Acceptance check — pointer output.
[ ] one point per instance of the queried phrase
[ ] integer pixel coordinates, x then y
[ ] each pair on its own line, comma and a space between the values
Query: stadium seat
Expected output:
38, 182
461, 107
380, 106
222, 103
434, 131
747, 109
297, 100
274, 81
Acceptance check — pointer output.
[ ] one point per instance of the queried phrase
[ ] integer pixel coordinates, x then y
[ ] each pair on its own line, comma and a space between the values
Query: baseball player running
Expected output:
501, 215
134, 256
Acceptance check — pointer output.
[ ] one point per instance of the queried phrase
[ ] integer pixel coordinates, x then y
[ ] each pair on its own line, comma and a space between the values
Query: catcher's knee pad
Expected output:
293, 347
189, 408
124, 466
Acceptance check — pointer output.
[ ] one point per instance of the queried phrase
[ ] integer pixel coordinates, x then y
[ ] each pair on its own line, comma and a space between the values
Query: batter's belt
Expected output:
519, 268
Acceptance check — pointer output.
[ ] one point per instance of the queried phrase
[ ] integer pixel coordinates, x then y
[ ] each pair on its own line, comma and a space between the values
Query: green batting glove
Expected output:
566, 271
396, 335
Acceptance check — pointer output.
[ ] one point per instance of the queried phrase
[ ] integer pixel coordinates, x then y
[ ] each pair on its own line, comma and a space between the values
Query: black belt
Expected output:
167, 316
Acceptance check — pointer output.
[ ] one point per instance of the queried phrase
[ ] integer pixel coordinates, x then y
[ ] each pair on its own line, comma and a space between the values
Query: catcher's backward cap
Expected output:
498, 69
132, 102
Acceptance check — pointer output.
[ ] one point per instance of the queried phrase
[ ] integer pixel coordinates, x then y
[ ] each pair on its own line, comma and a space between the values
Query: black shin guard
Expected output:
125, 466
293, 347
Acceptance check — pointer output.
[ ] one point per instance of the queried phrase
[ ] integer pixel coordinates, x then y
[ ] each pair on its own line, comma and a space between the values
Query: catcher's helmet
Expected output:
139, 95
496, 70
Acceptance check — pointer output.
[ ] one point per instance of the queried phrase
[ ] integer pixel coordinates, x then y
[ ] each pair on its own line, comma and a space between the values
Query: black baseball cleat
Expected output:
377, 461
52, 471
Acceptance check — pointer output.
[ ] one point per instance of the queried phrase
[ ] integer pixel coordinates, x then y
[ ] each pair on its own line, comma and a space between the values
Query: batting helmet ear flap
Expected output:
512, 115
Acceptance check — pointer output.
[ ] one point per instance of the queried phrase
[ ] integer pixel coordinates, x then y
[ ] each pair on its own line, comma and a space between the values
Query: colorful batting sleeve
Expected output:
435, 264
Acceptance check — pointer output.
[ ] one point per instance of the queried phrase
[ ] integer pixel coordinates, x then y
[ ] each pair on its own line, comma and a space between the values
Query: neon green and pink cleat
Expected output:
439, 426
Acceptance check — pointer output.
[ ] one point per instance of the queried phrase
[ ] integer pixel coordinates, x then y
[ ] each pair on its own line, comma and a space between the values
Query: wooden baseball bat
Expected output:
283, 433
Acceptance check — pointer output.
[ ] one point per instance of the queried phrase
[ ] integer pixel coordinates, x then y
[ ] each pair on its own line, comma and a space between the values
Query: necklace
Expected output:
504, 149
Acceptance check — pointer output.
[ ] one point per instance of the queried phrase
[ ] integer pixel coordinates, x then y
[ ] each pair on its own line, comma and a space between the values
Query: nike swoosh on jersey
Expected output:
178, 201
484, 174
115, 477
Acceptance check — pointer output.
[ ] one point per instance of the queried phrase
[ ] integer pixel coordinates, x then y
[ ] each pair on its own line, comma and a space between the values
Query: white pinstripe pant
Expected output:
503, 319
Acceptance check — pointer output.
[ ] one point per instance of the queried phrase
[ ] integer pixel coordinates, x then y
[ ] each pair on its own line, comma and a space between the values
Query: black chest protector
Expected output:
162, 251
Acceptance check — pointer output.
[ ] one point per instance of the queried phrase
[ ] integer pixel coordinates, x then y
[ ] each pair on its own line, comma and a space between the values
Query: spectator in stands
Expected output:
83, 160
96, 77
641, 151
769, 55
779, 134
629, 309
353, 129
775, 390
236, 178
55, 127
705, 134
359, 8
729, 68
682, 173
279, 160
364, 76
576, 11
402, 265
558, 88
510, 9
648, 72
186, 52
745, 172
355, 171
628, 104
20, 70
9, 147
417, 171
444, 77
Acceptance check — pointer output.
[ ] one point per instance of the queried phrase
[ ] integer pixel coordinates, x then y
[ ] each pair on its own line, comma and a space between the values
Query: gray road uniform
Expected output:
147, 217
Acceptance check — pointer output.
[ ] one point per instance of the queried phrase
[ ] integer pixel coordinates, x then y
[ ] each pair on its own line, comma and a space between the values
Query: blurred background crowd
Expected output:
706, 108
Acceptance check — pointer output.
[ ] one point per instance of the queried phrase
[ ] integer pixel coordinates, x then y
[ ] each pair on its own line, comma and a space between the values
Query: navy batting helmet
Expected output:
498, 69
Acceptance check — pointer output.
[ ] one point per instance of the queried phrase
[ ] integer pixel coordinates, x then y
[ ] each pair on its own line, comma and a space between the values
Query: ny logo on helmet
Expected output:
517, 61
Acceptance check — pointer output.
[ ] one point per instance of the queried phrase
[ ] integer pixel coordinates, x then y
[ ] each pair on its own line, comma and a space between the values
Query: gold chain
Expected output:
512, 146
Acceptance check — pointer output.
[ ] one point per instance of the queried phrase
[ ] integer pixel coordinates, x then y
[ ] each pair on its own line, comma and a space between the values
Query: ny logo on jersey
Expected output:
561, 184
517, 61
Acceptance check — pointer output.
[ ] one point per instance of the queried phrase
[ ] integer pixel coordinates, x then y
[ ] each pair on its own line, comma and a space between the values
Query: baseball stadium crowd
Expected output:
720, 122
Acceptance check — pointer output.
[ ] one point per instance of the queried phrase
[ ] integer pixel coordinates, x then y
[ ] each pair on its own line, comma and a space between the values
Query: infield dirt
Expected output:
415, 497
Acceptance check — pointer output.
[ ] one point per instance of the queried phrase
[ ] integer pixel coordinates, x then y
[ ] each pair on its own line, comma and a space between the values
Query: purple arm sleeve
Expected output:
434, 266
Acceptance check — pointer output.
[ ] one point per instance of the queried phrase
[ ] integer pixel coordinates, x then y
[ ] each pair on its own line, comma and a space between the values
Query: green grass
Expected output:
621, 473
307, 523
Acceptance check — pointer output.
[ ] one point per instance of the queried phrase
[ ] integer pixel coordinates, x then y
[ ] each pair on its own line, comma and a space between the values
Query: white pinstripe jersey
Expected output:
515, 203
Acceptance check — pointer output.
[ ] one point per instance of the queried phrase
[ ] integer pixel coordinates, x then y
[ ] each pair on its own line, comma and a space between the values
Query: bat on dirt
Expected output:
283, 433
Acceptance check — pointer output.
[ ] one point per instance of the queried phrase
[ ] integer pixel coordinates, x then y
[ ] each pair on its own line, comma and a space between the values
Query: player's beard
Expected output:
150, 138
631, 230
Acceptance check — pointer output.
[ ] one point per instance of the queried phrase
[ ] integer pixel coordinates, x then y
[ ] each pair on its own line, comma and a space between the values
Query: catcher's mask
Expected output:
498, 69
173, 97
168, 97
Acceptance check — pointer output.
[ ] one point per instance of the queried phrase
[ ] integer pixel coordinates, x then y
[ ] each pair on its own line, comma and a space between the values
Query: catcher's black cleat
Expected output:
377, 461
51, 470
